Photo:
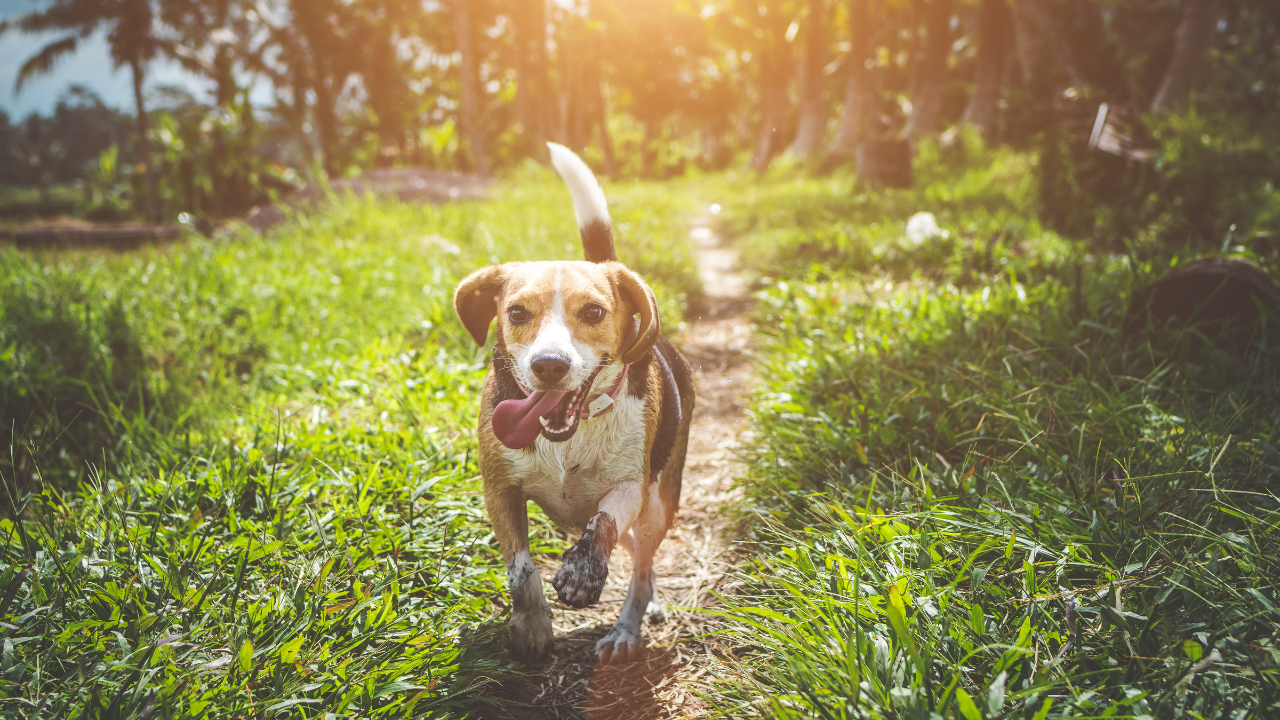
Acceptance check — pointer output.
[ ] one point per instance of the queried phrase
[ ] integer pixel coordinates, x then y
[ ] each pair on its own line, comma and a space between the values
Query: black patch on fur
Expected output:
677, 402
597, 242
677, 397
585, 566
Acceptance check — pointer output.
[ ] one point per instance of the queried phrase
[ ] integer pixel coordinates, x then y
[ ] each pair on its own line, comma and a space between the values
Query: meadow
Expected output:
982, 487
243, 481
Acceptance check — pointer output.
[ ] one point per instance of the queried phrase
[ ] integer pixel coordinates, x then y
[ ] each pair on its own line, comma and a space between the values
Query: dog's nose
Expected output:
550, 368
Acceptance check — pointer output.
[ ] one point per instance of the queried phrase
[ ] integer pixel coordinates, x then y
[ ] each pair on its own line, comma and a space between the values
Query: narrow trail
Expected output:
691, 561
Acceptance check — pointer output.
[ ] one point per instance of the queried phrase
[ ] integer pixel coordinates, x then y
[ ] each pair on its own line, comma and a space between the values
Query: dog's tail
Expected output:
588, 204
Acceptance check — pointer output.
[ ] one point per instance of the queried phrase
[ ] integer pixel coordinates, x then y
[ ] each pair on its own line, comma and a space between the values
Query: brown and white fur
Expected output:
616, 479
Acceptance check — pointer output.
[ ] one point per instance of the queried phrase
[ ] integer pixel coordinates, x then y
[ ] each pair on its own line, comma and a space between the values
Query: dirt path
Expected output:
693, 558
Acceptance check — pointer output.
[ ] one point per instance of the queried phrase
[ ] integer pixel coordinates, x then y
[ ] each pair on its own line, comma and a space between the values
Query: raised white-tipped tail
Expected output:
588, 198
589, 205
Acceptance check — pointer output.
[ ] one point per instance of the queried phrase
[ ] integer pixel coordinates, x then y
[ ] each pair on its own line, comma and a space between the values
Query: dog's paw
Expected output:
530, 637
585, 566
581, 577
623, 644
656, 612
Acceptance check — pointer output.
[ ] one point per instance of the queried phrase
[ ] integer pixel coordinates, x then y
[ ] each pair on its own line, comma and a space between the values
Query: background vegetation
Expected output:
980, 489
653, 88
240, 477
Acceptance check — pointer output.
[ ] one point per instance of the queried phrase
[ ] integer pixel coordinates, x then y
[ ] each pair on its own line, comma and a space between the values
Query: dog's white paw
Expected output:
623, 644
530, 637
656, 612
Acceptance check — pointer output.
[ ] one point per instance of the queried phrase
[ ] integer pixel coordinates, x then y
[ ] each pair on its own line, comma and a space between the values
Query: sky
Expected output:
90, 66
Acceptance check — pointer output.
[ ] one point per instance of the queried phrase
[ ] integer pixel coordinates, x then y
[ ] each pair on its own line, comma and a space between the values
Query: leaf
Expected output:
977, 620
1043, 712
339, 607
296, 701
967, 708
1192, 650
1263, 600
289, 651
246, 655
995, 696
1121, 618
897, 613
394, 687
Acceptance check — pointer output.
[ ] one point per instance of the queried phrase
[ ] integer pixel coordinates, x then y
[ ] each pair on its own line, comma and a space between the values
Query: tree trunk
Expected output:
995, 31
1195, 36
812, 124
1035, 53
470, 82
532, 86
325, 114
144, 145
926, 95
774, 73
857, 90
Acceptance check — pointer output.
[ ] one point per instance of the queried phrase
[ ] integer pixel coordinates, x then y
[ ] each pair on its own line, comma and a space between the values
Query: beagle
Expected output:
586, 412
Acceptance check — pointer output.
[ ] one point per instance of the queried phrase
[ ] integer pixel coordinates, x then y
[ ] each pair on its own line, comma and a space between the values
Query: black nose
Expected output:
550, 367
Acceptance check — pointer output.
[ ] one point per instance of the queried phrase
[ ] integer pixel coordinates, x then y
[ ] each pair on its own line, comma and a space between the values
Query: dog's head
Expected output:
560, 321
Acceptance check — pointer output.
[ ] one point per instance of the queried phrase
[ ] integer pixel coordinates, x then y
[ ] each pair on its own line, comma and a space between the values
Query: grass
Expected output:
975, 495
243, 481
22, 204
279, 514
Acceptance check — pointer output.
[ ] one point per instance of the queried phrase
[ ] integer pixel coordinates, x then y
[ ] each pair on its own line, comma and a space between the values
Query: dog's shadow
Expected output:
573, 686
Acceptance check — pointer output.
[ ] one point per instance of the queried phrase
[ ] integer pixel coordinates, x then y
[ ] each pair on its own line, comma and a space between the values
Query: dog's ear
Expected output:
637, 298
476, 300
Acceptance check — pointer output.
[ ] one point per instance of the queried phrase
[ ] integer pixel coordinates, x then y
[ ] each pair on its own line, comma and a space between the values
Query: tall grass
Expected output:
977, 496
271, 507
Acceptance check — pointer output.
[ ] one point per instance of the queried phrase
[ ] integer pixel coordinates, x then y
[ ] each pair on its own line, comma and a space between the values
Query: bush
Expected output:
1214, 176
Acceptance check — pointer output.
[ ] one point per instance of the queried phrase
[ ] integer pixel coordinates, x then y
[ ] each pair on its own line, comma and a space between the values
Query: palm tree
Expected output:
130, 38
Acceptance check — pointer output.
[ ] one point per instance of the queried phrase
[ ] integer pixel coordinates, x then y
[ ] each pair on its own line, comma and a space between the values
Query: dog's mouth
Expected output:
554, 414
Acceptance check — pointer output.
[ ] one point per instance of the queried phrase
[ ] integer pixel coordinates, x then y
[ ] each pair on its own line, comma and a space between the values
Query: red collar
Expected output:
586, 412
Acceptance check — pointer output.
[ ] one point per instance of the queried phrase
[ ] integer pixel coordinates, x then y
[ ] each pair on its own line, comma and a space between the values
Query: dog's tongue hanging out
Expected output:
516, 422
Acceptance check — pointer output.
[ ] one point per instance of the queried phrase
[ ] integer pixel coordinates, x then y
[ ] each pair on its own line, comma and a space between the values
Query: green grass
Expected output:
243, 480
243, 477
975, 495
20, 204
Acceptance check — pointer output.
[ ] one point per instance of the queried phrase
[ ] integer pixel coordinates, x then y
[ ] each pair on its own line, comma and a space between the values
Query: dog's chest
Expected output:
568, 479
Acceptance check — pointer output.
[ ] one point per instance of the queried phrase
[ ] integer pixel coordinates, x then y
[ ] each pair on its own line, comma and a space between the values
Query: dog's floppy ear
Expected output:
638, 298
476, 300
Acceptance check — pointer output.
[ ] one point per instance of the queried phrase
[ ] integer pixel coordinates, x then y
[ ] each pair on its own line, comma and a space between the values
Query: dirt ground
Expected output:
682, 658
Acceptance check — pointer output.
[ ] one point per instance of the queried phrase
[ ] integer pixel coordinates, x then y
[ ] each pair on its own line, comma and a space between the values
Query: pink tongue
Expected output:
516, 423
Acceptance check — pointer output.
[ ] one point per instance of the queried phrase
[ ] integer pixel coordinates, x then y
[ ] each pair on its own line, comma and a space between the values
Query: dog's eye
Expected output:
591, 313
518, 314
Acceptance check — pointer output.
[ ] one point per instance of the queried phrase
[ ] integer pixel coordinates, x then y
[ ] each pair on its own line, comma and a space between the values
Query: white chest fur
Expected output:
568, 479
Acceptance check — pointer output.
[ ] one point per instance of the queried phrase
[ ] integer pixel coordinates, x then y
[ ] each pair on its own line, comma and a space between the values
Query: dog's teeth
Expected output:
545, 422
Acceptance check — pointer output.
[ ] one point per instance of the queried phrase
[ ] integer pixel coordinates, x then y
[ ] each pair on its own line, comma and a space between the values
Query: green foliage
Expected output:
1213, 174
282, 513
979, 495
72, 376
207, 163
983, 198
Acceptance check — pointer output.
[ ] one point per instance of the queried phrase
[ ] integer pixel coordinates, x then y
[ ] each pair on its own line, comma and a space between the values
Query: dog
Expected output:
585, 411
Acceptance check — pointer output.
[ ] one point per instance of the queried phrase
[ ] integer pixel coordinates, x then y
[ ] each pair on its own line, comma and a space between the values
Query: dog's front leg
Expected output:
586, 565
530, 615
624, 642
